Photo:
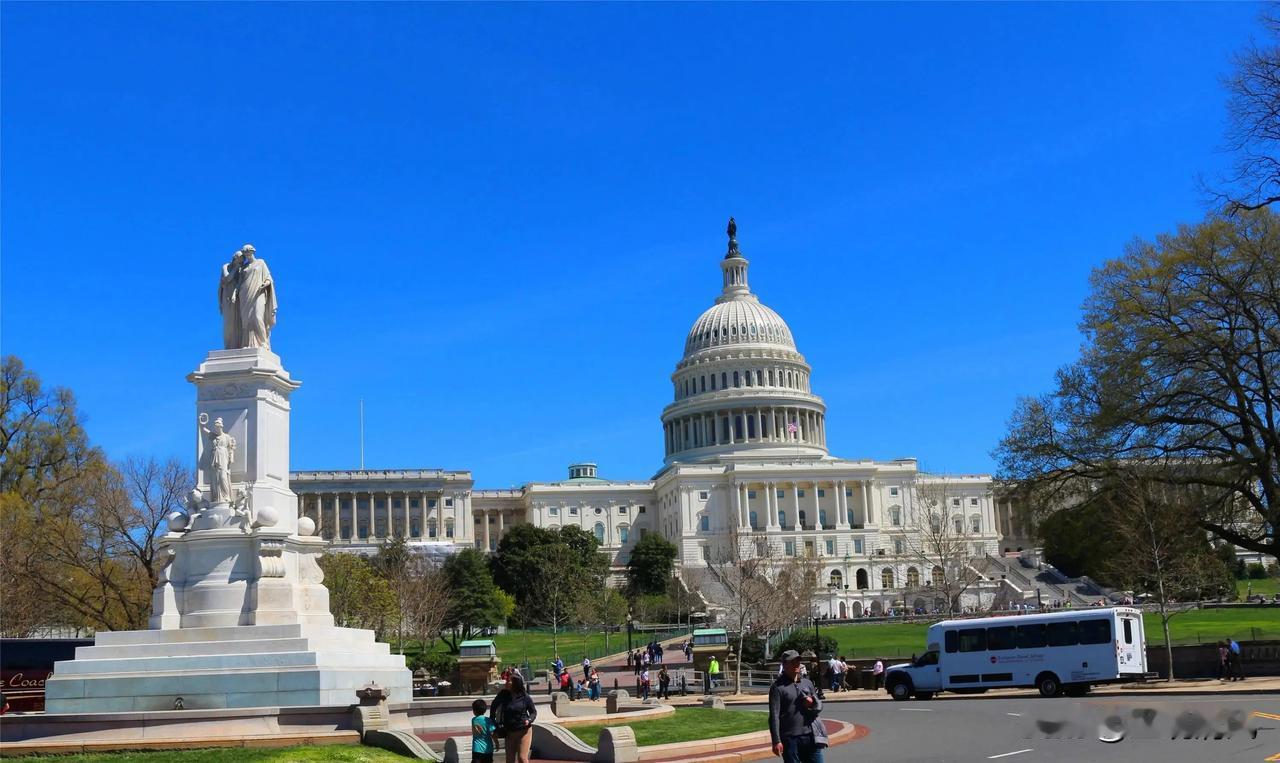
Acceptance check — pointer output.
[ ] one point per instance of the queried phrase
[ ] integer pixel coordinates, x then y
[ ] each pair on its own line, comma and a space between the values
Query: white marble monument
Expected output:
240, 617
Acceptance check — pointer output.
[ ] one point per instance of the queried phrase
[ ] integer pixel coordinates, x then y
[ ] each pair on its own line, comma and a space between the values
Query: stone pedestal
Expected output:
240, 616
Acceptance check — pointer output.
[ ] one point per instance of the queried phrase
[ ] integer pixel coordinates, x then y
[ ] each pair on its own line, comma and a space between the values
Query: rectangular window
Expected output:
782, 494
413, 503
554, 511
1061, 634
973, 501
1031, 636
800, 493
431, 503
831, 547
1004, 637
996, 677
848, 493
952, 642
573, 511
973, 640
622, 509
448, 502
898, 546
822, 493
893, 491
857, 547
1095, 631
641, 509
1128, 631
704, 495
955, 501
751, 494
966, 678
789, 548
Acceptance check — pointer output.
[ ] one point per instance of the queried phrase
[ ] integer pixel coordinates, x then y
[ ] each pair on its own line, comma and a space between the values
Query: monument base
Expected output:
228, 667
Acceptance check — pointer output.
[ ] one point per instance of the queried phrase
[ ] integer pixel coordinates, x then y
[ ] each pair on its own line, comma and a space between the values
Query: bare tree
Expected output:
763, 590
424, 607
1253, 133
1161, 551
939, 541
556, 593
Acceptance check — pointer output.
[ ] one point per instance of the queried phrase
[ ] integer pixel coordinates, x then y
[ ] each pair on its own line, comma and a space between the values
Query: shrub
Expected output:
1257, 571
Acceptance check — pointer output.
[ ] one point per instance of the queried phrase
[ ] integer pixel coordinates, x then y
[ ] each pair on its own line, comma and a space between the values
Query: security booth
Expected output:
708, 643
477, 665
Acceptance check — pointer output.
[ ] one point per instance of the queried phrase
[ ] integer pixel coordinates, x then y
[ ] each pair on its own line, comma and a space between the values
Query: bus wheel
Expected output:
900, 690
1048, 685
924, 695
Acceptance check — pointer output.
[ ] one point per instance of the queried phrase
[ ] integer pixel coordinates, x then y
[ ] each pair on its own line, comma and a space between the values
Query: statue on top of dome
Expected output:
732, 230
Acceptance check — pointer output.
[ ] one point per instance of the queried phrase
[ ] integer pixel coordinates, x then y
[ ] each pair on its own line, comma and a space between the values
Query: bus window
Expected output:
1061, 634
1031, 636
1095, 631
1001, 638
952, 642
1128, 631
973, 640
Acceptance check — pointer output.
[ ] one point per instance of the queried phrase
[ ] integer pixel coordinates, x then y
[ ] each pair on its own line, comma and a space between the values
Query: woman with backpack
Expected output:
513, 713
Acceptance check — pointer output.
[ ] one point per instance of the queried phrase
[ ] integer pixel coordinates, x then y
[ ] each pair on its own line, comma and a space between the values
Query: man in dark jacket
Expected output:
797, 733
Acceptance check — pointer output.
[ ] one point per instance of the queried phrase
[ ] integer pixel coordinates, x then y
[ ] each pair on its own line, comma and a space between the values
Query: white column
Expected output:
842, 508
501, 517
484, 520
771, 505
866, 502
795, 505
817, 508
737, 502
372, 517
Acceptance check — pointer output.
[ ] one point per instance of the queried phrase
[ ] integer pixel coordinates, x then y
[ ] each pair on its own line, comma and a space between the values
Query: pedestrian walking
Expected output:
594, 684
1233, 660
877, 672
644, 684
482, 728
664, 683
797, 733
566, 684
586, 668
1224, 655
713, 672
514, 713
558, 665
630, 659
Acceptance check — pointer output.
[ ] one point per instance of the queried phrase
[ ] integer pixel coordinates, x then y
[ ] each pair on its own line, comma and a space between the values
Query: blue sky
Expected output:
496, 223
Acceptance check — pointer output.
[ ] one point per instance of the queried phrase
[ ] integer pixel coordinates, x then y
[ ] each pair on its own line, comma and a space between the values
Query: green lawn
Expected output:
686, 725
515, 646
1266, 586
338, 753
904, 639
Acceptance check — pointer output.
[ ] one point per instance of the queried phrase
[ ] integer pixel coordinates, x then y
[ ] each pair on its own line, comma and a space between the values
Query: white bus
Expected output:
1059, 652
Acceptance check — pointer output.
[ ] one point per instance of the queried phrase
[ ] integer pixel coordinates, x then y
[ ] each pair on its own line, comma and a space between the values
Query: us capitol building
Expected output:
745, 450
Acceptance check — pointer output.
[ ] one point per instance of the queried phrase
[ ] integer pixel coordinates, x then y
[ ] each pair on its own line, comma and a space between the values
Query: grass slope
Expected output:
311, 754
686, 725
1266, 586
862, 641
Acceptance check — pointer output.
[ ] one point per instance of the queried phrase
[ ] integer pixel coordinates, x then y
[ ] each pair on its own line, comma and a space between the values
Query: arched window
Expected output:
723, 378
737, 381
822, 517
895, 516
935, 522
704, 523
702, 383
886, 577
713, 382
975, 523
624, 533
755, 524
448, 528
913, 577
958, 521
782, 518
860, 577
837, 579
803, 517
431, 528
748, 378
849, 517
770, 377
936, 576
599, 531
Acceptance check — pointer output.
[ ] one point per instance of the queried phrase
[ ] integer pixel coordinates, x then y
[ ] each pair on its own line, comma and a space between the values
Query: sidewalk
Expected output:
1260, 685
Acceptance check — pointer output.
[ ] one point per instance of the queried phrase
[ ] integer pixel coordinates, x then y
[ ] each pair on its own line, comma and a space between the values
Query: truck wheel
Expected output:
1048, 685
900, 690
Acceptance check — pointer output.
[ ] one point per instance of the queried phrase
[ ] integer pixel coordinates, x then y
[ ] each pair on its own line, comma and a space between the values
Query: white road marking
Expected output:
916, 710
1007, 754
1015, 715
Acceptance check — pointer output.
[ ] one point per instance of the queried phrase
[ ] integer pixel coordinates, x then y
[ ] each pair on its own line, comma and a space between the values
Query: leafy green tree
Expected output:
649, 569
358, 597
474, 601
532, 563
1176, 382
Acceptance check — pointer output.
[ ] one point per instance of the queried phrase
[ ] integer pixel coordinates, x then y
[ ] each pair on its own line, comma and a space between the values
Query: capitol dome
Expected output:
741, 387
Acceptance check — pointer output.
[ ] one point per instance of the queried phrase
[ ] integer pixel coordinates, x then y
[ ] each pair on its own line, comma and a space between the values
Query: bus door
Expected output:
1129, 643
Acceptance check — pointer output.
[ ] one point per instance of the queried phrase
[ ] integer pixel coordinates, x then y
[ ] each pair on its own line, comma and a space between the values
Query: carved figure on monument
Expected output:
227, 301
222, 453
256, 300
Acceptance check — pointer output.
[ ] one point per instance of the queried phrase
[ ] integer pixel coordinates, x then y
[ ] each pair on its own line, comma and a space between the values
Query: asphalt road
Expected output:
1031, 729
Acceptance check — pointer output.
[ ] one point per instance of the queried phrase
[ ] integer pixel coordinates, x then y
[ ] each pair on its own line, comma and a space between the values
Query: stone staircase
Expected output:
1024, 580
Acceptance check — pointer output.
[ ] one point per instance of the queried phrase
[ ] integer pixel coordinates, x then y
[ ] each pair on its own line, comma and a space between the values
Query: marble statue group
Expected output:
247, 300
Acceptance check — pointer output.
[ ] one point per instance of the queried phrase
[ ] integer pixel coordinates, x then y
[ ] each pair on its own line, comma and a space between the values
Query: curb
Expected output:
1028, 694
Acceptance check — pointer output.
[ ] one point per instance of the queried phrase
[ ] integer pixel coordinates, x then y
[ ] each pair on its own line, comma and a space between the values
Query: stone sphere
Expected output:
177, 521
306, 526
267, 516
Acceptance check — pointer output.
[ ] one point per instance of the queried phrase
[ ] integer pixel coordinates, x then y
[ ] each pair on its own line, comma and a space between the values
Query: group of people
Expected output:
511, 716
1229, 667
650, 654
646, 683
841, 675
587, 687
797, 734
